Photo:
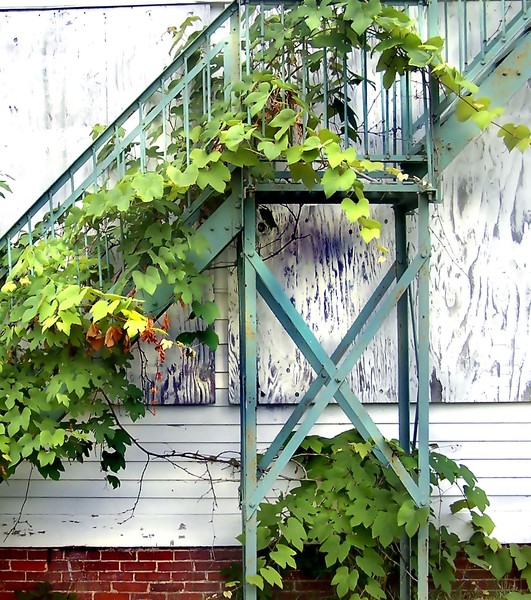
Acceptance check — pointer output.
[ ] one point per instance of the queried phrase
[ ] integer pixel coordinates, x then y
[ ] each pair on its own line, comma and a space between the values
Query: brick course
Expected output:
165, 574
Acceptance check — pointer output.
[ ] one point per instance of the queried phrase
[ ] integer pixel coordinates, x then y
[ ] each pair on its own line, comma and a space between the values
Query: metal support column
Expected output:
424, 243
402, 316
248, 390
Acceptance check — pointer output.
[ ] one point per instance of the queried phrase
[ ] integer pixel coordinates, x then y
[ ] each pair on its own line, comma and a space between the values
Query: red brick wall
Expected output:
163, 574
128, 574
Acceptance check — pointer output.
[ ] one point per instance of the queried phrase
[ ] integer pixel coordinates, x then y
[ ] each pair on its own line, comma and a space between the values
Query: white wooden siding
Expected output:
178, 507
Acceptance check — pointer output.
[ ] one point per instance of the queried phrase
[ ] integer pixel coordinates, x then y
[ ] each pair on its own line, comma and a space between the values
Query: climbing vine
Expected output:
73, 300
346, 517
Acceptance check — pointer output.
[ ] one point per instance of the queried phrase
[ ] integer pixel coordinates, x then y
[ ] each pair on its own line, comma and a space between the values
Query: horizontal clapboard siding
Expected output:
190, 504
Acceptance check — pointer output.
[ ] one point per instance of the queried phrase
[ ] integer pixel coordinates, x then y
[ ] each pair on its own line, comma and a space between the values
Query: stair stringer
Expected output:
504, 81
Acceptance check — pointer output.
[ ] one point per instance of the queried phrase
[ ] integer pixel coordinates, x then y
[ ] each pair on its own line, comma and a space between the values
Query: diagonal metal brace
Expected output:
333, 379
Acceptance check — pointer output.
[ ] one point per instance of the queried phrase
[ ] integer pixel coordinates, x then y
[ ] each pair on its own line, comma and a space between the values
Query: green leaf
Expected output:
185, 179
272, 576
294, 532
207, 310
355, 210
256, 580
385, 528
283, 556
286, 118
216, 176
233, 136
147, 281
374, 589
120, 196
341, 580
99, 310
361, 14
476, 497
331, 182
371, 563
208, 337
258, 99
334, 549
273, 150
293, 154
305, 172
69, 296
483, 522
521, 555
148, 186
95, 204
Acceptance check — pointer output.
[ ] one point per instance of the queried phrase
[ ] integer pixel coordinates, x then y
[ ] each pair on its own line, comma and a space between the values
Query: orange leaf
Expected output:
126, 344
114, 334
165, 322
94, 337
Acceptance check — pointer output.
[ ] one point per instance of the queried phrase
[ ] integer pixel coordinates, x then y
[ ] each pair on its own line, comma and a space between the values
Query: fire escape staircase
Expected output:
408, 129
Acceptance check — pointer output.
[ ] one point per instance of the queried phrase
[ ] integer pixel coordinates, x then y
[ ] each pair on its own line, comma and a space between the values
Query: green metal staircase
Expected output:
404, 127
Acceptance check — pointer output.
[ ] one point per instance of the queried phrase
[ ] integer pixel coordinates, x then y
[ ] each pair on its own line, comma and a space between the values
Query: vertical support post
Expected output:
248, 390
402, 317
424, 243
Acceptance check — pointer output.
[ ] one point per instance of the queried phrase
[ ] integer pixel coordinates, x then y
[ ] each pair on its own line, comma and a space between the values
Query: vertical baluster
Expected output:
504, 21
247, 40
52, 216
78, 271
142, 138
163, 116
186, 109
209, 85
122, 241
98, 247
262, 55
304, 56
9, 255
325, 87
30, 236
10, 266
385, 120
345, 101
30, 231
247, 43
446, 45
94, 167
395, 121
428, 125
118, 151
460, 25
405, 113
284, 61
483, 30
465, 33
364, 101
107, 258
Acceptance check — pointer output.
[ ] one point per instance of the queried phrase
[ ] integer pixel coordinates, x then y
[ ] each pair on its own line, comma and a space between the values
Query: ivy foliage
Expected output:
346, 517
71, 300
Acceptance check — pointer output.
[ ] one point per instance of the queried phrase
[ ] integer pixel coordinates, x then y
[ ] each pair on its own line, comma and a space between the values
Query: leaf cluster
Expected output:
349, 513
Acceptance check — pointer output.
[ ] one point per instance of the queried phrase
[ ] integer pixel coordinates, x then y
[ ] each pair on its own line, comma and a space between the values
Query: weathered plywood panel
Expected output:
328, 273
64, 71
185, 376
480, 275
